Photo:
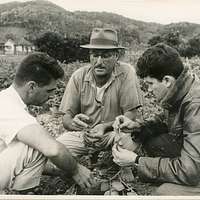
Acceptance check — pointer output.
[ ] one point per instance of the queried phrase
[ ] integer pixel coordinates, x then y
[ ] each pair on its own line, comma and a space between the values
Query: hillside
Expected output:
39, 16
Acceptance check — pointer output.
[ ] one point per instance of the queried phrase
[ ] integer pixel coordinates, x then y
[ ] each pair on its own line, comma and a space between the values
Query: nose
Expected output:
150, 89
99, 59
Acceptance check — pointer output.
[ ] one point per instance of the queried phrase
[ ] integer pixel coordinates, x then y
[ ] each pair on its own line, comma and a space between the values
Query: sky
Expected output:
160, 11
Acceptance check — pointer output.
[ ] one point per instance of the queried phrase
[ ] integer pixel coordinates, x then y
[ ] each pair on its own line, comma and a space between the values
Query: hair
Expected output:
158, 61
38, 67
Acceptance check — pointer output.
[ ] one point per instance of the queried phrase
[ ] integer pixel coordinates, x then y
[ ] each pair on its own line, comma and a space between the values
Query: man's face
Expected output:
42, 94
159, 88
103, 61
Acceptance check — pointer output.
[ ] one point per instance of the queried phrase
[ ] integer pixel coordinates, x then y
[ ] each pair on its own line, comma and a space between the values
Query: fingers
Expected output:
117, 121
125, 124
89, 181
83, 117
93, 136
122, 122
97, 131
114, 150
90, 139
92, 180
84, 177
116, 155
77, 122
87, 184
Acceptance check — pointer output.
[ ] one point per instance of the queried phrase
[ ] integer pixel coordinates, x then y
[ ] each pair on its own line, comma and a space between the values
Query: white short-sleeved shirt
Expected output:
14, 115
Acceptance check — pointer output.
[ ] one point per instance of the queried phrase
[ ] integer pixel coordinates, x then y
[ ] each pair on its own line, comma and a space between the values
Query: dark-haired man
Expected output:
174, 145
97, 93
24, 144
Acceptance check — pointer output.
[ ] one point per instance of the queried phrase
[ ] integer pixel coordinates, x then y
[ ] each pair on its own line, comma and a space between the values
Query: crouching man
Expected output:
173, 147
24, 144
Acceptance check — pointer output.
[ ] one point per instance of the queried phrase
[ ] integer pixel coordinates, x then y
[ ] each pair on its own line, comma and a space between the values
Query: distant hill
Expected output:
38, 16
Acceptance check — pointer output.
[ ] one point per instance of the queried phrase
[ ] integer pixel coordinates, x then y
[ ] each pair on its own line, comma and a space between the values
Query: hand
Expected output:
84, 177
125, 124
97, 132
81, 121
123, 157
106, 140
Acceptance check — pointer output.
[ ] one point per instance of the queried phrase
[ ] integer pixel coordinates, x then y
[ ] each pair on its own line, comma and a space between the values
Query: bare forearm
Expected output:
65, 161
67, 122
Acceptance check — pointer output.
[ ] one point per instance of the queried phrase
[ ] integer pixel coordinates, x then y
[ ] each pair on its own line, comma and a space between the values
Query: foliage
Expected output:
63, 49
193, 47
7, 74
155, 39
37, 17
102, 169
51, 43
171, 38
73, 52
186, 48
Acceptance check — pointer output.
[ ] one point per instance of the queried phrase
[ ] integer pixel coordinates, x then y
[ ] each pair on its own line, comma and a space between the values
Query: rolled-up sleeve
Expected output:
184, 169
71, 99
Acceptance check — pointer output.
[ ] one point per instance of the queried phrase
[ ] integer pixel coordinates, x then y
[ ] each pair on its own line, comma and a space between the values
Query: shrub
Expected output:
7, 72
193, 47
63, 49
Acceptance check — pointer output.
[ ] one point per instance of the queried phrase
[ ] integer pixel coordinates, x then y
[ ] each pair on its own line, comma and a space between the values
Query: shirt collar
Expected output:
17, 97
181, 87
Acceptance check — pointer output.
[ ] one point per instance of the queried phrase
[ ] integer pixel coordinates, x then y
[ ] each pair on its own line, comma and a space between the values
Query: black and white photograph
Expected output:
99, 98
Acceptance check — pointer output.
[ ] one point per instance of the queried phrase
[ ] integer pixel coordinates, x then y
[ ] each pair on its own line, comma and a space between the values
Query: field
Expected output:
50, 118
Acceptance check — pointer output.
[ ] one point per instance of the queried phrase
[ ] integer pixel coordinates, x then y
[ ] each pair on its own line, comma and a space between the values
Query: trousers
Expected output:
21, 167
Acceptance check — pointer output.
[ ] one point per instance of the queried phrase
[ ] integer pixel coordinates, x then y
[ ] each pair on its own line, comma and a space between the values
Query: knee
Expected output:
164, 189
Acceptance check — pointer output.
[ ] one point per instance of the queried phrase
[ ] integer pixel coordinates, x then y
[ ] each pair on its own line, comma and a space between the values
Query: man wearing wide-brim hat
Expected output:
97, 93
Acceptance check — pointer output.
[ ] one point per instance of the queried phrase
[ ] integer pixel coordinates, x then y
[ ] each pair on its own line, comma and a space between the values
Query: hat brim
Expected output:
89, 46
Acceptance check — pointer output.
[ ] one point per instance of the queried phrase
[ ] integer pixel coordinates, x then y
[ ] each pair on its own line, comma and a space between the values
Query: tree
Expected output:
154, 40
51, 43
63, 48
172, 38
10, 36
193, 47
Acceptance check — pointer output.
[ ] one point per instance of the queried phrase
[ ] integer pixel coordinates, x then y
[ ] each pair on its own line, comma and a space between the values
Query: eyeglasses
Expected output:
102, 53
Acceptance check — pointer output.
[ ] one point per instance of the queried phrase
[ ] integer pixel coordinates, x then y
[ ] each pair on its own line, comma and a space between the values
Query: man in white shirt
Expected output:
24, 144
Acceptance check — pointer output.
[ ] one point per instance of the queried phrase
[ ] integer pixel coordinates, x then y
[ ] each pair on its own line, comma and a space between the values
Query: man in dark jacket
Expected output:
173, 145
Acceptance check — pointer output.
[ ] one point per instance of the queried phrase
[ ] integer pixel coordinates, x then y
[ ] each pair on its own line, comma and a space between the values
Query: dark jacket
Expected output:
183, 106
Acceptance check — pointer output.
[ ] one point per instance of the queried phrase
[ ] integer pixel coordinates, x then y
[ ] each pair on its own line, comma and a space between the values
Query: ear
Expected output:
31, 86
168, 81
118, 54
